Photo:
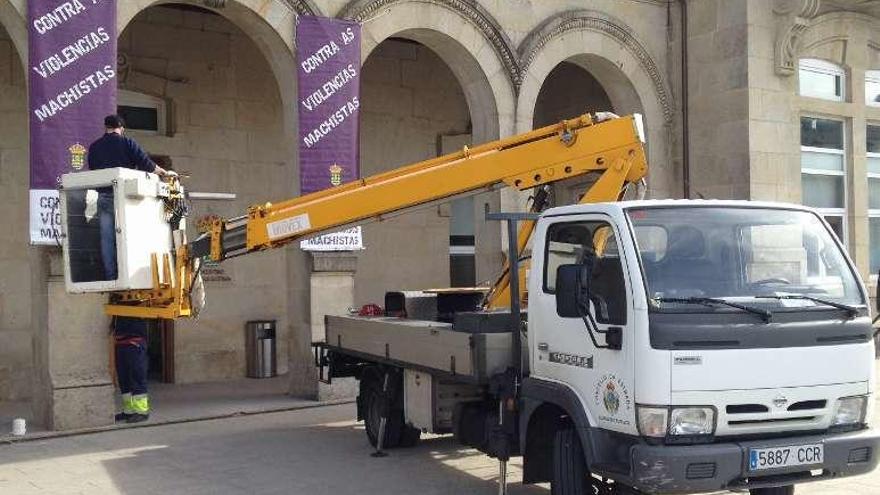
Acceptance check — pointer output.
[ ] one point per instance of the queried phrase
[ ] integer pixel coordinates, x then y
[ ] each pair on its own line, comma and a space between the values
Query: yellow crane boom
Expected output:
571, 148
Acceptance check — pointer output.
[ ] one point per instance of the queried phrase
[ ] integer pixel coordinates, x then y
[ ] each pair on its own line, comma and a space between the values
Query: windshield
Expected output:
772, 256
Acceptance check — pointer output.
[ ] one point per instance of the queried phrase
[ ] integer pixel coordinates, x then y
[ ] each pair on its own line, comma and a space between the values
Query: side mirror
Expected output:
571, 292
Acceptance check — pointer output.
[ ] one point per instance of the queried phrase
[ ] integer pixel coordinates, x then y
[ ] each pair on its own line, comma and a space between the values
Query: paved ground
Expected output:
312, 451
176, 403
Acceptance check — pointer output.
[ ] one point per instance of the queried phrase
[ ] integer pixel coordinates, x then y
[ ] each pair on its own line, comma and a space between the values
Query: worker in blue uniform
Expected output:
130, 335
112, 150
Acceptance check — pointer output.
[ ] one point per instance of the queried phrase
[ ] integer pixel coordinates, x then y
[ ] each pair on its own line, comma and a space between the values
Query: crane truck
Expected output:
629, 346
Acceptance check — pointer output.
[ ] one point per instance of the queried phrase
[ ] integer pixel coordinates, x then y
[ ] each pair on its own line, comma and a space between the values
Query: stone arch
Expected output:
269, 24
21, 320
13, 21
830, 36
233, 94
474, 13
466, 40
606, 48
541, 50
489, 81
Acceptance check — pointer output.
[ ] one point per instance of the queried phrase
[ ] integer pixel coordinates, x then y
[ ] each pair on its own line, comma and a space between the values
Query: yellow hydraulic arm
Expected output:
571, 148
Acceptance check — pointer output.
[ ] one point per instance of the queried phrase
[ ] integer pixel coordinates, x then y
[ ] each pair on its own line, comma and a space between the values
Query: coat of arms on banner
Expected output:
336, 174
77, 156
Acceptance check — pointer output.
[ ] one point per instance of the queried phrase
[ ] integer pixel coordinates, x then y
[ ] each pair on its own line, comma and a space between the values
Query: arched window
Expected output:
142, 112
821, 79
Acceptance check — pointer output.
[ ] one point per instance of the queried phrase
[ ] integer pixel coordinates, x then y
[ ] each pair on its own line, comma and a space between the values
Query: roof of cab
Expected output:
669, 203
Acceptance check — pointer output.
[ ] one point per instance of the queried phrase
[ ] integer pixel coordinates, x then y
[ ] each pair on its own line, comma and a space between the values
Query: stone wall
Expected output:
774, 127
848, 39
718, 57
226, 132
16, 323
409, 99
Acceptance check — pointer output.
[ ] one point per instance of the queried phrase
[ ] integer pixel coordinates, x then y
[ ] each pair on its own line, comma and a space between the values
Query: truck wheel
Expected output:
373, 420
397, 432
570, 476
779, 490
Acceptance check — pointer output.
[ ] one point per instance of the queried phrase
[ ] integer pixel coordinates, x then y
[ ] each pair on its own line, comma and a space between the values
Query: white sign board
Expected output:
45, 211
345, 240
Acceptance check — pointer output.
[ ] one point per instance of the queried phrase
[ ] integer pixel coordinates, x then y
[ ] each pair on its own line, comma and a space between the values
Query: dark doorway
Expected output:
161, 351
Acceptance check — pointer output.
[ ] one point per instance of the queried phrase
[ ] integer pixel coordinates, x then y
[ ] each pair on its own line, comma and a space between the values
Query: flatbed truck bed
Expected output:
469, 353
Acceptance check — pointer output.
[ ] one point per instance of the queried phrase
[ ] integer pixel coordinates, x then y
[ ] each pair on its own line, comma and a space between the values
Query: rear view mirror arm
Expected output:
592, 326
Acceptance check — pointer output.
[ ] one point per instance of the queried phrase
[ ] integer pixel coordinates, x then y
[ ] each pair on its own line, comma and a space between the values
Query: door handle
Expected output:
543, 347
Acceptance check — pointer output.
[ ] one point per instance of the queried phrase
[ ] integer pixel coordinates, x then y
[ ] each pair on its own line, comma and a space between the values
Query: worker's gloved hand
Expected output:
600, 117
170, 173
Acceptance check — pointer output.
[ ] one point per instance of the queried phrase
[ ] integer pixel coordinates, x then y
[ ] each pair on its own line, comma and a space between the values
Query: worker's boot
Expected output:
140, 406
127, 409
137, 418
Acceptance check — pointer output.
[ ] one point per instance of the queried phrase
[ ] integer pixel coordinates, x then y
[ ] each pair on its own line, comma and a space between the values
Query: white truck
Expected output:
668, 346
672, 347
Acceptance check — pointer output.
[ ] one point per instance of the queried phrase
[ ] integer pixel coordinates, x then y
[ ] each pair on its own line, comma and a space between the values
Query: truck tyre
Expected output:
779, 490
570, 476
373, 419
397, 433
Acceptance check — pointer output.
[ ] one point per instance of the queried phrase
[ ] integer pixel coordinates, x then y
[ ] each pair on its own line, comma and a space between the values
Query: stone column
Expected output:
72, 355
332, 293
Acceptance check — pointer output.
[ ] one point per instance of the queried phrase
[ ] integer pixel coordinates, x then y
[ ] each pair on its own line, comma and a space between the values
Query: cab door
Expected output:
563, 349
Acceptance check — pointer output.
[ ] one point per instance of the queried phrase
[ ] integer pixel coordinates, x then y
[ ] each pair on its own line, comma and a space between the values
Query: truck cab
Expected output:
691, 346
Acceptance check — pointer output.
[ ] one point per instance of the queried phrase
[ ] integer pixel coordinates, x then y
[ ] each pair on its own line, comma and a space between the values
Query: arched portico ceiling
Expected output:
590, 20
265, 22
362, 10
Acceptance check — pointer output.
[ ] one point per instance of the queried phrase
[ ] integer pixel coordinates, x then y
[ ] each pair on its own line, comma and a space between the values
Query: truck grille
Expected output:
765, 421
772, 411
746, 408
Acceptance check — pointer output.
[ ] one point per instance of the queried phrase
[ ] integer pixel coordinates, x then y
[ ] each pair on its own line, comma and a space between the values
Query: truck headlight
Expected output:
849, 411
686, 421
652, 421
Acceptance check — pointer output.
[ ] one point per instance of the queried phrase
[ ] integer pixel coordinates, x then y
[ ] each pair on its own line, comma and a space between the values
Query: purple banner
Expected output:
72, 86
328, 79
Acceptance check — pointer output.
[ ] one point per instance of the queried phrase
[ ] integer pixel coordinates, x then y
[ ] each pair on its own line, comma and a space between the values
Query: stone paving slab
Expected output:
316, 451
173, 403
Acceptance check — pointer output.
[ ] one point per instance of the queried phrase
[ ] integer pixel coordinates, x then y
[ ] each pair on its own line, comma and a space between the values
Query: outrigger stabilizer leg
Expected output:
383, 422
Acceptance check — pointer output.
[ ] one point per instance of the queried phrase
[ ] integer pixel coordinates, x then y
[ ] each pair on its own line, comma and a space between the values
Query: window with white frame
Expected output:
820, 79
142, 112
823, 170
873, 147
872, 87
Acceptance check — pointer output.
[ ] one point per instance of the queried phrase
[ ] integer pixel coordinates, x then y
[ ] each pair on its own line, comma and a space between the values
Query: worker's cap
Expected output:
113, 122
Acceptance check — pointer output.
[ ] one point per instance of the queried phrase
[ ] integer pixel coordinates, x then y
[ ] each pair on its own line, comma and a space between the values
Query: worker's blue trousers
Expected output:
107, 224
131, 368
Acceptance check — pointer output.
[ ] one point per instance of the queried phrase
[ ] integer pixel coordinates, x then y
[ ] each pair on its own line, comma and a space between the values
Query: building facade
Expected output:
745, 99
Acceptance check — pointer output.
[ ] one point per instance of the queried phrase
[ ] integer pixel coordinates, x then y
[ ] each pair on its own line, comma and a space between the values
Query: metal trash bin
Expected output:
260, 348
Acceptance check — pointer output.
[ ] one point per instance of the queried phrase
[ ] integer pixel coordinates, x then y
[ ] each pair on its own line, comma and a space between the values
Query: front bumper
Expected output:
700, 468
